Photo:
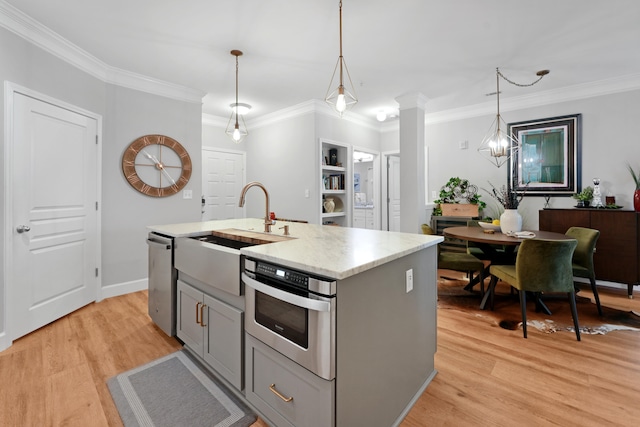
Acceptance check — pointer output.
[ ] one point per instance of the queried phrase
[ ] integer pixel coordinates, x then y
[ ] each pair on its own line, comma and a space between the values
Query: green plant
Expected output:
456, 190
585, 195
636, 176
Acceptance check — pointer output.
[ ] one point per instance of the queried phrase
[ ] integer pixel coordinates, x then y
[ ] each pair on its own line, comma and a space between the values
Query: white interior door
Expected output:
54, 223
222, 181
393, 191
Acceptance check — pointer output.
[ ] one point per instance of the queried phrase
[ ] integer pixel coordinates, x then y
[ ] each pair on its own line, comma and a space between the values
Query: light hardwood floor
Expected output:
487, 376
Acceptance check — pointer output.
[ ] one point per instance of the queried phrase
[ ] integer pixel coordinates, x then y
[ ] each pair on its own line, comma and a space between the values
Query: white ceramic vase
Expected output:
329, 205
510, 221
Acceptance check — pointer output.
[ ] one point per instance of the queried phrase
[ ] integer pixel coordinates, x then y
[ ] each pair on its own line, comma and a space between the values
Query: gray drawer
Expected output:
313, 403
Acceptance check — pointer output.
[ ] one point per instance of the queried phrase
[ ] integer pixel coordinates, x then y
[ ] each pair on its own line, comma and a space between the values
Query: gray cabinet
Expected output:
284, 392
212, 329
439, 223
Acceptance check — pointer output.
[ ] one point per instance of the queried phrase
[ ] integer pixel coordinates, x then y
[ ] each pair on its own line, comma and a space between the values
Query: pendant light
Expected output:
236, 128
341, 98
498, 146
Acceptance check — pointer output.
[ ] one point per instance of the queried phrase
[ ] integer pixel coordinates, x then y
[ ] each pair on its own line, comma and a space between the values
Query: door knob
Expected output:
23, 229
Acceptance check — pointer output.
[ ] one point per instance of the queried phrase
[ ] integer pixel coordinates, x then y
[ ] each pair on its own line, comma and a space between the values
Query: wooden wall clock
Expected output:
156, 165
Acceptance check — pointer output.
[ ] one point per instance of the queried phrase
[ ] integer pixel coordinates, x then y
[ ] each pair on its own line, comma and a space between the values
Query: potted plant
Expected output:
584, 197
636, 193
509, 200
455, 191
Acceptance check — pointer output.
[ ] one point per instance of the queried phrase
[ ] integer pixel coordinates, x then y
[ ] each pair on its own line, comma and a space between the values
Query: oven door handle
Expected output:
311, 304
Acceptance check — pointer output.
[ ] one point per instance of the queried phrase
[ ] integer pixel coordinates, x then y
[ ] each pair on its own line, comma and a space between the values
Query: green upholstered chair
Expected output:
542, 266
582, 262
458, 261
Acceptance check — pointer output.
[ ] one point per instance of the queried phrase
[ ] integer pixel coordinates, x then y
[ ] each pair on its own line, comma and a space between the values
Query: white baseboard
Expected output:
123, 288
4, 341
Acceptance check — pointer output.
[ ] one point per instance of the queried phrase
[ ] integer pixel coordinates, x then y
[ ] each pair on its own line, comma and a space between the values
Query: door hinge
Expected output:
96, 272
96, 205
96, 139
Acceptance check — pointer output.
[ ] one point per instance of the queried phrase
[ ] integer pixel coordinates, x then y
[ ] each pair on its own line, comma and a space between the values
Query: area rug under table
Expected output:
174, 391
507, 314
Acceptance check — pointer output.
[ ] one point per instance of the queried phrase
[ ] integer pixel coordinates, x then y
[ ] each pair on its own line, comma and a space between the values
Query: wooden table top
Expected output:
477, 234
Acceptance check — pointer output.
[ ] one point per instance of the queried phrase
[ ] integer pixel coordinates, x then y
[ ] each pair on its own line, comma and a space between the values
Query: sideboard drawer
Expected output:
268, 372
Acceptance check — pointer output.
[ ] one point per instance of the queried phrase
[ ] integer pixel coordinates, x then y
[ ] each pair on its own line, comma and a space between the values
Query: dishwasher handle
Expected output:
164, 245
311, 304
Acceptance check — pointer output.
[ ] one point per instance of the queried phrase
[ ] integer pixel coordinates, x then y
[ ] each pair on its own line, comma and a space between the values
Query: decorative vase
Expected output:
329, 205
636, 200
510, 221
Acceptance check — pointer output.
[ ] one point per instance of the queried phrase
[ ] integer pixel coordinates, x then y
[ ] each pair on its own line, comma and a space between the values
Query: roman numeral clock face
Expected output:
156, 165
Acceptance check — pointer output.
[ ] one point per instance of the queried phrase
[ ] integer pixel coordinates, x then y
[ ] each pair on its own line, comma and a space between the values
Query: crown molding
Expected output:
313, 106
215, 121
37, 34
570, 93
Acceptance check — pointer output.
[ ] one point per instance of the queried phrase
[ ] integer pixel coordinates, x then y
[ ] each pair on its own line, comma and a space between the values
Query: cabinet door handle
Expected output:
202, 315
197, 310
272, 387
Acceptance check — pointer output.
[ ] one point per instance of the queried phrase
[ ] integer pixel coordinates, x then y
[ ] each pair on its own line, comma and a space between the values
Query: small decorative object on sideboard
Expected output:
636, 193
597, 196
584, 197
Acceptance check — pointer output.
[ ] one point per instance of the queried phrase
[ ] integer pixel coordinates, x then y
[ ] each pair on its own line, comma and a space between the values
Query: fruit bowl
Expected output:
489, 226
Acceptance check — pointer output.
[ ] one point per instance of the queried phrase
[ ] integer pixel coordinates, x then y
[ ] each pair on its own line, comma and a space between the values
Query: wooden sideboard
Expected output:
617, 256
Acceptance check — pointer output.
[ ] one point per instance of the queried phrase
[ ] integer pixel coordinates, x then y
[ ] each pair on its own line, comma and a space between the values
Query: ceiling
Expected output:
448, 51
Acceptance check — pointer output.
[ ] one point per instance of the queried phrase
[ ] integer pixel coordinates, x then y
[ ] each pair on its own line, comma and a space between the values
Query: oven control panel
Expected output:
288, 276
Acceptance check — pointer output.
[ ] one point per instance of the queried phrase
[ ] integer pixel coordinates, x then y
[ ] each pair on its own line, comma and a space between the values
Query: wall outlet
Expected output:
306, 193
463, 145
409, 277
187, 194
434, 195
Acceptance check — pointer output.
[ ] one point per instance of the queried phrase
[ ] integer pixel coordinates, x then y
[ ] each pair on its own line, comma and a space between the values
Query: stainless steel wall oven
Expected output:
293, 312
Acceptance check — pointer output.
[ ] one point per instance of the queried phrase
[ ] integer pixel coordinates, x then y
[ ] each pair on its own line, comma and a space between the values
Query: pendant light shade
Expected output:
498, 146
237, 129
339, 96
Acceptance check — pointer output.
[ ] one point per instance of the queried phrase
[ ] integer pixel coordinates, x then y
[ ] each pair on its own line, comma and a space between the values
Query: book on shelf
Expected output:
333, 182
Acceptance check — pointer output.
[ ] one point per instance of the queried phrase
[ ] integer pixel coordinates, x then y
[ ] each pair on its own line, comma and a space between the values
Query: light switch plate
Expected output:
187, 194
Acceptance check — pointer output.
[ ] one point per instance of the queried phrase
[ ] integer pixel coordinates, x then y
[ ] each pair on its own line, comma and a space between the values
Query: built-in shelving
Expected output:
335, 182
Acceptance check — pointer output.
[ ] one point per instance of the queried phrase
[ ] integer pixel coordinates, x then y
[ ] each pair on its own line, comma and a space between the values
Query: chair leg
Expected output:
595, 294
574, 313
489, 293
523, 309
482, 282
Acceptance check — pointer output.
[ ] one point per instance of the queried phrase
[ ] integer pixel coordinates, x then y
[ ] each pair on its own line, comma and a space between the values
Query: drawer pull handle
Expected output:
197, 310
272, 387
202, 315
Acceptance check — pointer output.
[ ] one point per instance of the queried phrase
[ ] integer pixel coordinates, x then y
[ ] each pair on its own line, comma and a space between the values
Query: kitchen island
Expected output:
384, 315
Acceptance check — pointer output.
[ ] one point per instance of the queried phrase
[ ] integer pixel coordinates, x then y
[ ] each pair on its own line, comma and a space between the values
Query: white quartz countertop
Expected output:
334, 252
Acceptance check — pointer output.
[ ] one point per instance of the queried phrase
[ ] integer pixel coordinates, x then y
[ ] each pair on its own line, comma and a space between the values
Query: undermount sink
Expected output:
223, 241
243, 238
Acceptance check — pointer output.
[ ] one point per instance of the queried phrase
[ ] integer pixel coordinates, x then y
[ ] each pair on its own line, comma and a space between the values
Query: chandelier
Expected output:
498, 146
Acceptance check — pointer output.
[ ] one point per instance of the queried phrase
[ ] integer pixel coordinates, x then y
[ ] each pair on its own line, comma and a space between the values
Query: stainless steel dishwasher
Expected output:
162, 283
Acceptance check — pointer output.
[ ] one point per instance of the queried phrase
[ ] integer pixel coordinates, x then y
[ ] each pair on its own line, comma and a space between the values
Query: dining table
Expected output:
490, 240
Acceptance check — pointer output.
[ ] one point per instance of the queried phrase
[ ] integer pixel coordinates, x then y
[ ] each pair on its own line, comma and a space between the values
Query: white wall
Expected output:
281, 155
126, 212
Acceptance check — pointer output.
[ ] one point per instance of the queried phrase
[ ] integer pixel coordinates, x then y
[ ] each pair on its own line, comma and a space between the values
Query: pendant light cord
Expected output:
236, 91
